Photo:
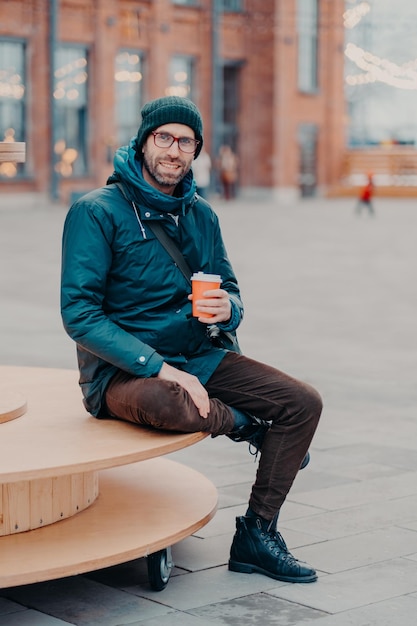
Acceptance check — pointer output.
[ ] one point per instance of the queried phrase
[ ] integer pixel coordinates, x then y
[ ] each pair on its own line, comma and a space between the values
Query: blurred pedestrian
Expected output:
201, 169
365, 196
228, 171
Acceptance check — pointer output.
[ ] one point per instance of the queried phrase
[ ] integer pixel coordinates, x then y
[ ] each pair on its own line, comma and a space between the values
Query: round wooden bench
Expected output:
78, 493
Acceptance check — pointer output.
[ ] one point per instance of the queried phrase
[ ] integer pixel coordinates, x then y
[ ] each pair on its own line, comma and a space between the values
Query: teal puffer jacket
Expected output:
123, 300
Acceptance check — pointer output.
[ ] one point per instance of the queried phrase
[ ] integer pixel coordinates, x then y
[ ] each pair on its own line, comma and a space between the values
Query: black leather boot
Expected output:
254, 434
256, 549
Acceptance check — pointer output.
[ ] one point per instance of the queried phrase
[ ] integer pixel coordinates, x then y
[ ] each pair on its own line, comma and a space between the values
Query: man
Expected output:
144, 358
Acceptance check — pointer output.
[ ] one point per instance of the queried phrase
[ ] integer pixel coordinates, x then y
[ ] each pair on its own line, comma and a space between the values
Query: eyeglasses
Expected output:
165, 140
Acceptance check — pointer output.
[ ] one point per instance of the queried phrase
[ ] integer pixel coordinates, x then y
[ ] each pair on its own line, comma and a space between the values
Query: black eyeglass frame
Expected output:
177, 139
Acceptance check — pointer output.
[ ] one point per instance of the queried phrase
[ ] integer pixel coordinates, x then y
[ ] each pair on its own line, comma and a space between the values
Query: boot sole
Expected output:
246, 568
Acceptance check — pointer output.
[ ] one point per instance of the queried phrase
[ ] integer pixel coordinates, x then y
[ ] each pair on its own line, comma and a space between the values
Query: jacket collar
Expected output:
128, 169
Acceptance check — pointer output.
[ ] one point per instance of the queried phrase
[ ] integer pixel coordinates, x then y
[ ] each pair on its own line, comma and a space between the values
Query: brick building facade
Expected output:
266, 74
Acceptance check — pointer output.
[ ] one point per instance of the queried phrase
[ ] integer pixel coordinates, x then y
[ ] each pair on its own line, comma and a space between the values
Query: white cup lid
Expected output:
210, 278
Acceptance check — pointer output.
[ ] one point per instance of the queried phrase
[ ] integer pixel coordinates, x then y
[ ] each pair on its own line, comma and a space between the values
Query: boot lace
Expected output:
254, 434
275, 543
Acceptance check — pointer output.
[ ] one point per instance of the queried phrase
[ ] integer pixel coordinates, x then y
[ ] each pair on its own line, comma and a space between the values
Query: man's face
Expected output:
164, 168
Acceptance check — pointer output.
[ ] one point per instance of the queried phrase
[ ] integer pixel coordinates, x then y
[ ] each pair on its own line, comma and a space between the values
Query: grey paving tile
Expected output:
294, 510
357, 519
361, 454
355, 588
309, 480
206, 587
377, 489
409, 523
259, 609
194, 554
30, 618
7, 606
328, 437
223, 522
219, 457
356, 551
178, 618
394, 612
229, 499
238, 493
242, 472
364, 471
83, 602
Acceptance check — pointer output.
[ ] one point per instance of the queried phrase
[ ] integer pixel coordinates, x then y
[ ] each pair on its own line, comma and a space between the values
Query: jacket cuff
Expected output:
235, 317
148, 364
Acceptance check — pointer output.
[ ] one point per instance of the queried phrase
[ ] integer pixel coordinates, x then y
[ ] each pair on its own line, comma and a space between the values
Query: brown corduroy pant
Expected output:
292, 407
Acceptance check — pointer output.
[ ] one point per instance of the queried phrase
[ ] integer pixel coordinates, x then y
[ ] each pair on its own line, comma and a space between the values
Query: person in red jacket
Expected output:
365, 197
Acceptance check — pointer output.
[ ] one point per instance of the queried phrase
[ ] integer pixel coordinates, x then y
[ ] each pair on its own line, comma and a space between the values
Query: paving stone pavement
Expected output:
331, 297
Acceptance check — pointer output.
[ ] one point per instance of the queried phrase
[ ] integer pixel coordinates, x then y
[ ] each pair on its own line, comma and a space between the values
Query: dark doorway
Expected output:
307, 174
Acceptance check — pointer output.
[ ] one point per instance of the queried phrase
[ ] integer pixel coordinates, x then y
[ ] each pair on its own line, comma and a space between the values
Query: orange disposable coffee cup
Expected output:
200, 283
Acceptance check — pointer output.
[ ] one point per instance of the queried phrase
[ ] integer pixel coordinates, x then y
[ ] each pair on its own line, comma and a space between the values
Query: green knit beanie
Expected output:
169, 110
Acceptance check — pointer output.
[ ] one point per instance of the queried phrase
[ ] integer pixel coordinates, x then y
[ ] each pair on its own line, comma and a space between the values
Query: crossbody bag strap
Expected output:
175, 253
165, 240
171, 247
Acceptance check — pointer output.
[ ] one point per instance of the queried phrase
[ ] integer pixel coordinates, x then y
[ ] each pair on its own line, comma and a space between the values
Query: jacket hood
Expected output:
128, 169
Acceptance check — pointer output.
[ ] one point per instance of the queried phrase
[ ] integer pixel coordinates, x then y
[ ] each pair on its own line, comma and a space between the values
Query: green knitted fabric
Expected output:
170, 110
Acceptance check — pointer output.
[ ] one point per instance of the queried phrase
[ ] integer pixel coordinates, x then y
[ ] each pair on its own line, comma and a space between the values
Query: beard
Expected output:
162, 176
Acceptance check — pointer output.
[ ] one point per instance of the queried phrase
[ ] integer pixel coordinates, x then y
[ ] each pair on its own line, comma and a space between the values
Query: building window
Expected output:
307, 146
231, 82
307, 26
70, 99
192, 3
129, 94
180, 79
234, 6
12, 100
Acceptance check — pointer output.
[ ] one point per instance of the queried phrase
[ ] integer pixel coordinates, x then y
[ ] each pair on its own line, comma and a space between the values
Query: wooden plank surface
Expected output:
57, 437
141, 508
29, 504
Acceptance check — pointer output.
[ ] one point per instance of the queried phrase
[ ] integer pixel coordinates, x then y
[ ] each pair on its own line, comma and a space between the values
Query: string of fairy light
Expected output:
374, 68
